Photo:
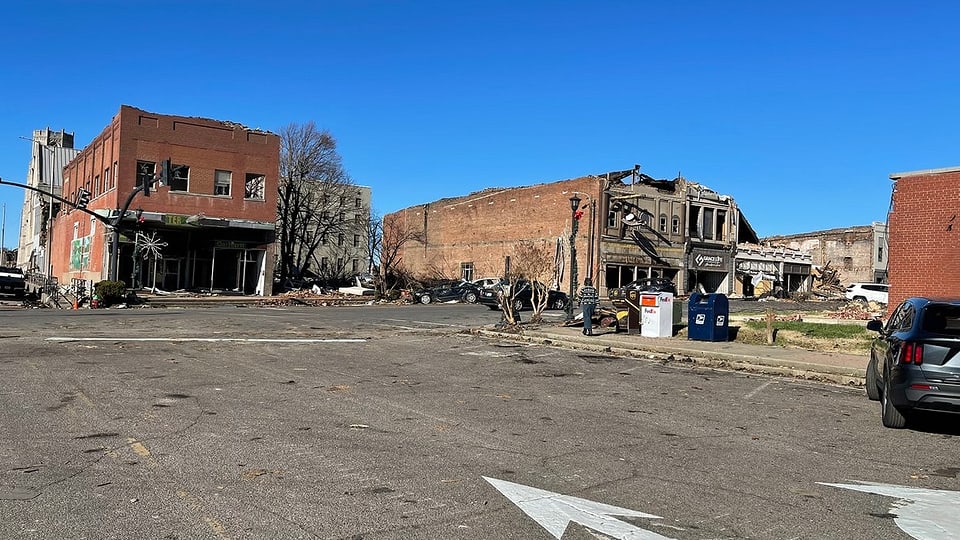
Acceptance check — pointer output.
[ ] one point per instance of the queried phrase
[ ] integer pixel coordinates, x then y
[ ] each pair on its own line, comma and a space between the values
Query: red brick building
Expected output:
212, 226
924, 226
632, 226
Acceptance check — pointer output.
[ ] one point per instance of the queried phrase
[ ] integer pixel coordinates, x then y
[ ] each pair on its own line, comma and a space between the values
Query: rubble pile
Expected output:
826, 282
859, 311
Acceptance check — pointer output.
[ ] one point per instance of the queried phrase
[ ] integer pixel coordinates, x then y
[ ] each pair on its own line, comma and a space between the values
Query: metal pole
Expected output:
573, 263
591, 246
3, 231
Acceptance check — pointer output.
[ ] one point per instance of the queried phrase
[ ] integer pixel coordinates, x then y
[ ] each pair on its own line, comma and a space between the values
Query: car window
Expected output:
943, 319
901, 319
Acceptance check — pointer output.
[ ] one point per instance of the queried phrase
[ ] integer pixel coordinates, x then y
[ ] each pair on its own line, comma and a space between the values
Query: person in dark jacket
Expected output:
589, 298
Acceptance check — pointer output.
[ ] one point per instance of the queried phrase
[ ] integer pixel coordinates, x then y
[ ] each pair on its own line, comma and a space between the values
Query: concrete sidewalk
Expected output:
837, 368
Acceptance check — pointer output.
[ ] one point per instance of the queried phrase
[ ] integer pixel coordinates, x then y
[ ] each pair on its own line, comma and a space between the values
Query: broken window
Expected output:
721, 224
663, 223
145, 172
879, 253
693, 226
253, 187
466, 271
676, 225
612, 218
179, 178
707, 229
221, 182
848, 263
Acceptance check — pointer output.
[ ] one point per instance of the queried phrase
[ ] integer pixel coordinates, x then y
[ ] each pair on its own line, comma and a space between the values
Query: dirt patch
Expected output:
789, 338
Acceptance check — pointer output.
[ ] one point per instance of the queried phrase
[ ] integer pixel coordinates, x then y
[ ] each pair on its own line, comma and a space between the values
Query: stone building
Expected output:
211, 228
49, 153
858, 254
628, 226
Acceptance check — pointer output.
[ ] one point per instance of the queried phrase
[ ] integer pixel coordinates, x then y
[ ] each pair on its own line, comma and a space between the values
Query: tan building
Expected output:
50, 152
858, 254
631, 226
211, 228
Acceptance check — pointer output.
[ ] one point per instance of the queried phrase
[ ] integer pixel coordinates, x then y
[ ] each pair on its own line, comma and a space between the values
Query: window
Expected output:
356, 265
253, 187
848, 263
324, 263
106, 179
663, 223
339, 263
323, 238
96, 186
358, 219
612, 218
358, 203
879, 253
707, 224
221, 182
356, 240
466, 271
721, 224
693, 223
676, 225
340, 242
145, 172
180, 178
343, 217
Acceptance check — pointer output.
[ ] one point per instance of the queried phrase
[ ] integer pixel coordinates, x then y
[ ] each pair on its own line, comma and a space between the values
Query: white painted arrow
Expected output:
921, 513
554, 512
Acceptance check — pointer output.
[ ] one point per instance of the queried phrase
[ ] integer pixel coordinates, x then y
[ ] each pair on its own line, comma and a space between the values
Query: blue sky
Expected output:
800, 111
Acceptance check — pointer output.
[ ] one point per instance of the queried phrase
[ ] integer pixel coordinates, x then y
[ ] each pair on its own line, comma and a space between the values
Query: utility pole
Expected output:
3, 231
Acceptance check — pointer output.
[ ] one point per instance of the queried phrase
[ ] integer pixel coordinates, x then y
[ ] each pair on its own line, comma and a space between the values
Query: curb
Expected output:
684, 356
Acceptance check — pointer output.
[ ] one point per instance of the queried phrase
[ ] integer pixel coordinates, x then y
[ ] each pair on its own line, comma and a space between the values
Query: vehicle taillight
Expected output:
911, 353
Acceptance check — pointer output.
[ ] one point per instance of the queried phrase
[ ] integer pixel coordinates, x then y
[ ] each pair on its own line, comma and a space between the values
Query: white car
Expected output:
484, 283
868, 292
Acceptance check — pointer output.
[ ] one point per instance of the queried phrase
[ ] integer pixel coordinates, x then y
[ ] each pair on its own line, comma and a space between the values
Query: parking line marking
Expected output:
757, 390
212, 340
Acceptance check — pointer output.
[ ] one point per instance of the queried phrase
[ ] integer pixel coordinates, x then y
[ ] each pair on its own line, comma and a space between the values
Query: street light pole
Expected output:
574, 224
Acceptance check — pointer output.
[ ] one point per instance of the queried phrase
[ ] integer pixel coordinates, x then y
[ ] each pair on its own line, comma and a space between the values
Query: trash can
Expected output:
707, 317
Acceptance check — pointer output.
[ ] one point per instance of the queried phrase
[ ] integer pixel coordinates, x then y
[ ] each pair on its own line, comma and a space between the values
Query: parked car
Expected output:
868, 292
459, 290
915, 360
487, 282
618, 295
12, 281
490, 296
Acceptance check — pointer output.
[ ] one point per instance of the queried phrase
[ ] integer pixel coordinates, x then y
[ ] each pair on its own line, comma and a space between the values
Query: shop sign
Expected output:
703, 260
229, 244
174, 219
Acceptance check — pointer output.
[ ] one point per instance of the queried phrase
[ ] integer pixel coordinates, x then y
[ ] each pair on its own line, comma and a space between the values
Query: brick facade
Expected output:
195, 221
925, 235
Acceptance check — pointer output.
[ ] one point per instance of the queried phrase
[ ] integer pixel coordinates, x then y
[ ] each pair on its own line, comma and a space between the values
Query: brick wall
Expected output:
485, 227
849, 251
924, 238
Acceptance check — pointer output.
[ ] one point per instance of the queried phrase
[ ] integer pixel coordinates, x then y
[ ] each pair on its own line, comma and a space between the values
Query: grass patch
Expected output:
816, 330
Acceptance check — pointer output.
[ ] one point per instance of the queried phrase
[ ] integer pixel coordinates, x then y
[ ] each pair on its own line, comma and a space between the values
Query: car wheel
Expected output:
425, 299
861, 299
517, 305
559, 303
873, 386
470, 298
891, 416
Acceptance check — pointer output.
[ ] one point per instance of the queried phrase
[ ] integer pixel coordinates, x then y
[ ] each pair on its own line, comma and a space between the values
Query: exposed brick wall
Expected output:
834, 246
485, 227
925, 236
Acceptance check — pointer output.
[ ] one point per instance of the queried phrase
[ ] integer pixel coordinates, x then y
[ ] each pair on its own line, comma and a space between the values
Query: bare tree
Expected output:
313, 199
395, 235
534, 264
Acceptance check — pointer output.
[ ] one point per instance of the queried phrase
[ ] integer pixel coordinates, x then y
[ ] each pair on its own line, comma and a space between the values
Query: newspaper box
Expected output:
656, 318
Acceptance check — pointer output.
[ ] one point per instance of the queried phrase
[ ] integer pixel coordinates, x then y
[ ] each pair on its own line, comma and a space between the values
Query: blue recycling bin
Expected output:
708, 317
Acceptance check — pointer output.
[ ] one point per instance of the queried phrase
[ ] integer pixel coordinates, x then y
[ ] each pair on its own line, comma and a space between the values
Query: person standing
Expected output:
589, 298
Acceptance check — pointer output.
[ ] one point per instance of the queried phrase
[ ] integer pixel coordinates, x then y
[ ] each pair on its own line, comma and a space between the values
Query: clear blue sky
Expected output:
799, 110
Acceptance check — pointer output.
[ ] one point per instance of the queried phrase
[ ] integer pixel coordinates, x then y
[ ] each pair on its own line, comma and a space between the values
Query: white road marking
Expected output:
922, 513
211, 340
554, 512
758, 390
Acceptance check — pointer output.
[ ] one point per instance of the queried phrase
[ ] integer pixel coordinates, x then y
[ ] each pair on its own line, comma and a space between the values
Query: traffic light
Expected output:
83, 198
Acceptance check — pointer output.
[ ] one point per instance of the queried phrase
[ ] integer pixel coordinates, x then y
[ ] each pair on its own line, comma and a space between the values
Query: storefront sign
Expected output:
174, 219
705, 260
230, 244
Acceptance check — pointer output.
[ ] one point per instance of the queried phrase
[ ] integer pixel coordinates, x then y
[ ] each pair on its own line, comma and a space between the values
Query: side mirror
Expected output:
875, 325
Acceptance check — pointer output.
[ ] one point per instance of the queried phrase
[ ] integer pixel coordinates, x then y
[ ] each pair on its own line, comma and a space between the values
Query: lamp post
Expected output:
574, 223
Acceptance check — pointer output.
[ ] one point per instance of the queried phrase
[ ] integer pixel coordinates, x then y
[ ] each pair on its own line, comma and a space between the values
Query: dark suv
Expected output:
619, 295
915, 360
